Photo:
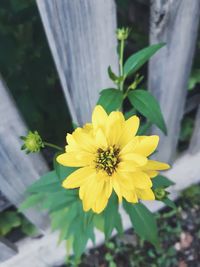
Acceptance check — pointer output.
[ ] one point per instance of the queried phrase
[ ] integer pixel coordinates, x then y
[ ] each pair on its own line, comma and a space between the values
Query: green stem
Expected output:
121, 59
53, 146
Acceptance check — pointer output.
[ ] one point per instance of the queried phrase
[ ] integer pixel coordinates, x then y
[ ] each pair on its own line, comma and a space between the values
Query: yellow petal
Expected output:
100, 203
108, 187
72, 159
156, 165
137, 158
114, 127
146, 194
77, 178
141, 180
129, 130
116, 186
92, 192
130, 196
85, 141
130, 147
151, 174
101, 139
126, 166
147, 145
99, 117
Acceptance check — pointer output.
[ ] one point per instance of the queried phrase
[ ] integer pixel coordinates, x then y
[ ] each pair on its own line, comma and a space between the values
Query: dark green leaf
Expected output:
169, 202
137, 60
143, 222
148, 106
28, 228
110, 99
112, 217
130, 113
161, 181
144, 128
8, 221
112, 75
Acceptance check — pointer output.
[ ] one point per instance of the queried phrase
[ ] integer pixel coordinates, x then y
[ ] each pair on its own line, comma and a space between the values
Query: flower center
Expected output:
108, 159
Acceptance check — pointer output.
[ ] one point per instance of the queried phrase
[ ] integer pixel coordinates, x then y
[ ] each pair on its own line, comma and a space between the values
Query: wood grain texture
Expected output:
7, 250
81, 35
195, 141
17, 170
174, 22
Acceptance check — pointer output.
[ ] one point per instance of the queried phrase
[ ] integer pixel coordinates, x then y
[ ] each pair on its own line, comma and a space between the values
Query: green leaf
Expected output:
8, 221
28, 228
99, 221
161, 181
31, 201
47, 183
148, 106
59, 200
169, 202
110, 99
130, 113
144, 128
112, 75
137, 60
112, 217
143, 222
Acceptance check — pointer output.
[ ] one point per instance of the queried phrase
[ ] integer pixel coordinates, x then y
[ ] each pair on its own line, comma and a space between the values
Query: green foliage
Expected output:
10, 220
194, 79
112, 217
143, 222
147, 105
137, 60
111, 99
161, 181
187, 127
27, 66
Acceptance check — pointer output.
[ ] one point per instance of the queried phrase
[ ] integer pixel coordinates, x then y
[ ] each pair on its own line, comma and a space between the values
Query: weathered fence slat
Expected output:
17, 169
195, 141
174, 22
81, 35
7, 249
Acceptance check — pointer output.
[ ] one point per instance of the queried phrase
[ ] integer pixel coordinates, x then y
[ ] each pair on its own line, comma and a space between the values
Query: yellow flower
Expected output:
110, 157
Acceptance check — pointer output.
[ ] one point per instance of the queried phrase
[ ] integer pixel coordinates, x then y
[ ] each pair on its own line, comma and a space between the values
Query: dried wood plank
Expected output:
81, 35
17, 170
174, 22
195, 141
45, 252
7, 250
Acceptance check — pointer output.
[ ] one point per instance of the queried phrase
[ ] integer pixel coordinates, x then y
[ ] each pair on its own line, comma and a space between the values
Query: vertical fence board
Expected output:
174, 22
7, 250
17, 170
81, 35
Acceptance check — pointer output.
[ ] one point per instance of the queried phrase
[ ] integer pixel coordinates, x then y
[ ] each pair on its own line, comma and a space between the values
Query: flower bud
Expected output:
160, 193
32, 142
122, 34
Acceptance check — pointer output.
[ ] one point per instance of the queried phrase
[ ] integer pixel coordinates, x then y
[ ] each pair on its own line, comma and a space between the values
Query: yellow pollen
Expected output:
108, 159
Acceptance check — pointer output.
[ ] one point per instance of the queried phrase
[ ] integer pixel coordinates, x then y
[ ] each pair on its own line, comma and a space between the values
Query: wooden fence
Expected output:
81, 36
